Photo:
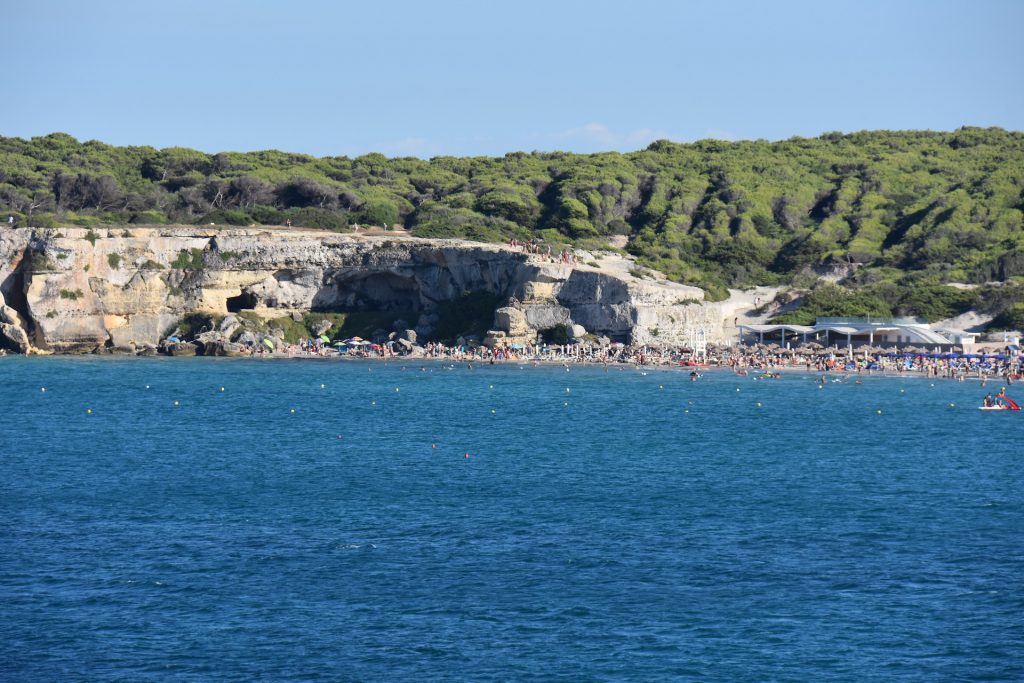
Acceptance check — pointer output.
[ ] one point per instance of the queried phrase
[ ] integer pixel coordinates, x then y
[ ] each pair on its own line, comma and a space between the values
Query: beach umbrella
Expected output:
268, 343
339, 343
324, 338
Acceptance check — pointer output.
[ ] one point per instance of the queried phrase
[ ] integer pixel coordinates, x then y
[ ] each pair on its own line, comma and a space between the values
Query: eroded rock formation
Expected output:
74, 289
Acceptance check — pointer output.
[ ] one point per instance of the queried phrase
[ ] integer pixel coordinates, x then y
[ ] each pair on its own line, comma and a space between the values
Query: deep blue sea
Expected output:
321, 521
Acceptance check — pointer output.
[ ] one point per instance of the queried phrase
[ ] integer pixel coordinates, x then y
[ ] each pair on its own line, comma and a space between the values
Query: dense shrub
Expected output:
226, 217
1010, 319
831, 300
911, 208
310, 217
378, 212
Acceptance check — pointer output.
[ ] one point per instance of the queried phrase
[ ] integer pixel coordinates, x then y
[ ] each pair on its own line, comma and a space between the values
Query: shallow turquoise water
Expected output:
599, 533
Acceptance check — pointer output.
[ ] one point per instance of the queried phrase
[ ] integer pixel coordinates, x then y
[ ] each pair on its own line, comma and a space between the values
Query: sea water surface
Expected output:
216, 520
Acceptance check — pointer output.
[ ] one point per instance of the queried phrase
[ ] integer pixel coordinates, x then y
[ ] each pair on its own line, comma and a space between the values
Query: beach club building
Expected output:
850, 332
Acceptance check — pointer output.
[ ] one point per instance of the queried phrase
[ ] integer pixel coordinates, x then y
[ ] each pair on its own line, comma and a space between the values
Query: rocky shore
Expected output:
127, 289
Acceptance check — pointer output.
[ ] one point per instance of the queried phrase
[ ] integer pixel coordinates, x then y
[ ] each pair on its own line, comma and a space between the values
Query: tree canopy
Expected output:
907, 207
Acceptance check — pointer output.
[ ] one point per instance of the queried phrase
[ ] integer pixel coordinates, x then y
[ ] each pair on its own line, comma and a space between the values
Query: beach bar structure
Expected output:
890, 332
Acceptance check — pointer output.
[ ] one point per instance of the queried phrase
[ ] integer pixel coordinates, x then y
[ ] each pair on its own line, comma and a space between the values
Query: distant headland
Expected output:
874, 223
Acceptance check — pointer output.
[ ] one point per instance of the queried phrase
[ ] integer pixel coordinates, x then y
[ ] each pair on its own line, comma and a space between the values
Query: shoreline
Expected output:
834, 375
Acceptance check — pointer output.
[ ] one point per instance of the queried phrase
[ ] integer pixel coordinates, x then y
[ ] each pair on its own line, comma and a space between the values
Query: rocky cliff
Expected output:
72, 289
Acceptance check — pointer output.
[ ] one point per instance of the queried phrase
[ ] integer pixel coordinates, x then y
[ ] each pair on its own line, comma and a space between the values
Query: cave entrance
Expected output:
375, 292
245, 300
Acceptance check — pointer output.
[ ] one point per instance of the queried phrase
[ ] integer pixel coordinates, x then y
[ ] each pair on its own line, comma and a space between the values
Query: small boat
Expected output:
1001, 403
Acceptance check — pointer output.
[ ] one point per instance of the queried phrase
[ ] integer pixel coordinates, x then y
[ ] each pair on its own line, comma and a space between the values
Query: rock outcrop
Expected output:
72, 289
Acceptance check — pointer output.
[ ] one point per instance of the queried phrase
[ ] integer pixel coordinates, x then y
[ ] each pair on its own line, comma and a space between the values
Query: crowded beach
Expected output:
989, 362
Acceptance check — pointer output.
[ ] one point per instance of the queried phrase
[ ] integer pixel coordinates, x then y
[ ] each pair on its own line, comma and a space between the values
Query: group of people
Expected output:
566, 256
739, 359
1000, 400
959, 368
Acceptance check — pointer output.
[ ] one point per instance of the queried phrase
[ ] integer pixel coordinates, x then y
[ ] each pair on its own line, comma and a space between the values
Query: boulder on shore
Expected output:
180, 349
14, 338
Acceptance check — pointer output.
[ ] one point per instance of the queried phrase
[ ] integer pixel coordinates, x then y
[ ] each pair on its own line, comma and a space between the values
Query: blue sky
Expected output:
484, 78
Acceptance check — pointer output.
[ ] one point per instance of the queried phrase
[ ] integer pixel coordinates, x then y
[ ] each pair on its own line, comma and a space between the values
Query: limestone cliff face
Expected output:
74, 289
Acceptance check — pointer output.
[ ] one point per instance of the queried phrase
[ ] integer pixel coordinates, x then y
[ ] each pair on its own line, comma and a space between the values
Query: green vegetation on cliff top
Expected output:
910, 210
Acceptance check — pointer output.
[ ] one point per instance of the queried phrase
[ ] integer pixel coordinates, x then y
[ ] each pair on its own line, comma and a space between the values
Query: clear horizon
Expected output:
464, 80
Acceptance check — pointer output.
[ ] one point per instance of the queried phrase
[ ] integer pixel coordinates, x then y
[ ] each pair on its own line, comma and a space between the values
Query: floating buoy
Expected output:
879, 412
373, 403
293, 410
566, 403
686, 411
661, 386
758, 404
567, 390
493, 411
322, 386
396, 388
175, 403
88, 411
491, 387
147, 386
467, 456
737, 388
433, 445
952, 405
903, 391
42, 388
222, 388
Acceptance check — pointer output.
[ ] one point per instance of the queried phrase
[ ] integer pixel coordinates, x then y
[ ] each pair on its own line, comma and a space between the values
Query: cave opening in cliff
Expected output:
244, 301
372, 292
14, 287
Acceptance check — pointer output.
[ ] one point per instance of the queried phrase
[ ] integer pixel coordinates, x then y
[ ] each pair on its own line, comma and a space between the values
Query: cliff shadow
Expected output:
14, 288
370, 292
